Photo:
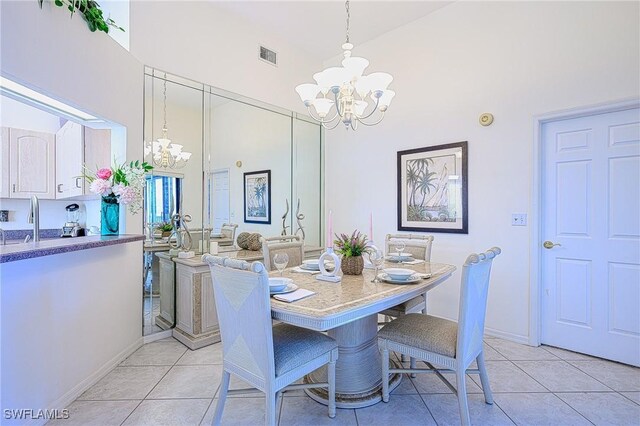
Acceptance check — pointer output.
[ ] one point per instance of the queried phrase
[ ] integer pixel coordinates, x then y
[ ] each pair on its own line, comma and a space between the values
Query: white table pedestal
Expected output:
358, 369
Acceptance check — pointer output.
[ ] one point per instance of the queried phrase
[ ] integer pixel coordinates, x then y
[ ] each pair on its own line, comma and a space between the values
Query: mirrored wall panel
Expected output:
223, 165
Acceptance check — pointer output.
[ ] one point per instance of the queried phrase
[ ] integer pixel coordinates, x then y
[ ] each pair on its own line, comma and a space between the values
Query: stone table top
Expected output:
354, 297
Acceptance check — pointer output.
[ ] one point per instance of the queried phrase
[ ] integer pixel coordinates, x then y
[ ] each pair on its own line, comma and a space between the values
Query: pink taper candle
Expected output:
371, 226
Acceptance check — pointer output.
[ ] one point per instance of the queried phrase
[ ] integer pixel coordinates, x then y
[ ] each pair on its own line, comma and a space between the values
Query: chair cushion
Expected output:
295, 346
410, 306
423, 332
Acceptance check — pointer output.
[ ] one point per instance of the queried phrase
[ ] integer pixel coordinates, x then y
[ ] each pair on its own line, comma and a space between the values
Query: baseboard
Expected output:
507, 336
79, 389
157, 336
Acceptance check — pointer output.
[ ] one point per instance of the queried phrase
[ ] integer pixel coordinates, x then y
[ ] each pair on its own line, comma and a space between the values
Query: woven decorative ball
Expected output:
352, 265
253, 242
242, 240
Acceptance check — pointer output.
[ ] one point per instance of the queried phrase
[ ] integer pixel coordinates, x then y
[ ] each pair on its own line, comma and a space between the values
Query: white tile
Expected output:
518, 352
568, 355
538, 409
188, 381
98, 413
445, 410
125, 383
504, 376
560, 376
156, 353
603, 408
241, 412
633, 396
431, 383
406, 387
211, 354
619, 377
402, 410
304, 411
169, 412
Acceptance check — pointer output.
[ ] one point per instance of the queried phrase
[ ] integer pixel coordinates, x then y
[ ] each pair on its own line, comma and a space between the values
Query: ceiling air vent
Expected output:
268, 55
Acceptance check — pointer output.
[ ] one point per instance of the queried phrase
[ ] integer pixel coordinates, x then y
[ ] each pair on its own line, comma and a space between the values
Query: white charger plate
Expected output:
288, 289
411, 280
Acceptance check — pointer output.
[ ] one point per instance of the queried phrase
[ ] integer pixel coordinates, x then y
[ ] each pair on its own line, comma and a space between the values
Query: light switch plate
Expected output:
519, 219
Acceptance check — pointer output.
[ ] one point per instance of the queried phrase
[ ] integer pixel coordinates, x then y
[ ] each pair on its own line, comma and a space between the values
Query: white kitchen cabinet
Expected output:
69, 160
32, 164
97, 150
4, 163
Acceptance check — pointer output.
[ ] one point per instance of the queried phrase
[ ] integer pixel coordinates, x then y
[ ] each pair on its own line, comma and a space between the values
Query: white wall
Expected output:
513, 59
263, 143
22, 116
58, 56
199, 41
61, 331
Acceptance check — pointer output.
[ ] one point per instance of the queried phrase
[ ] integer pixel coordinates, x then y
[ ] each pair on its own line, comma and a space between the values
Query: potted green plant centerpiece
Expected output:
164, 228
351, 248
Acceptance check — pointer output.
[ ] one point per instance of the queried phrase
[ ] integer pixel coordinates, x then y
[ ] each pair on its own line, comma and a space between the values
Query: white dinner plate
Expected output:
288, 289
278, 283
412, 279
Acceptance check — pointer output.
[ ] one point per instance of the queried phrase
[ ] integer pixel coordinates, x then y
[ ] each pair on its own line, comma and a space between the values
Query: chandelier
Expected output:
166, 154
356, 97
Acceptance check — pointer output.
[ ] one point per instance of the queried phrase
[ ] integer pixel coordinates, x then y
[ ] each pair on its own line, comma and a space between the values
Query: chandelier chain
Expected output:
164, 103
348, 17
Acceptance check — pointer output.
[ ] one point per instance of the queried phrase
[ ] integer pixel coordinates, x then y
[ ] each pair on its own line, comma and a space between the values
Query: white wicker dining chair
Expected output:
440, 341
268, 358
229, 231
420, 248
292, 245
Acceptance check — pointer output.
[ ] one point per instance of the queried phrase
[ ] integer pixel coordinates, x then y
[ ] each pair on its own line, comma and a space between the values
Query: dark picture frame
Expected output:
432, 189
257, 197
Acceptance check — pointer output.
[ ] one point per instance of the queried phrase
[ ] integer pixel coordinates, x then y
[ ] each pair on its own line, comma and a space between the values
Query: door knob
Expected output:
549, 245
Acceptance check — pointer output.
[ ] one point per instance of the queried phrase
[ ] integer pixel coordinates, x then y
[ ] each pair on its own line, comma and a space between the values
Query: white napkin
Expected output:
330, 278
300, 293
412, 262
304, 271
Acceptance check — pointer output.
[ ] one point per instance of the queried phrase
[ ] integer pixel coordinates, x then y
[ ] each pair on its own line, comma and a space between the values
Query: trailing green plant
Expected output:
351, 246
90, 11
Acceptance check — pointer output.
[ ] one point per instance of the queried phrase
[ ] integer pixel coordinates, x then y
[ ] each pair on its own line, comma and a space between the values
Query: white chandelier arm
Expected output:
337, 103
374, 123
332, 127
320, 119
371, 113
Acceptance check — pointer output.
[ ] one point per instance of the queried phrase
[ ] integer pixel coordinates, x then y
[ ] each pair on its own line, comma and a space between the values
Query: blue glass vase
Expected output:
109, 215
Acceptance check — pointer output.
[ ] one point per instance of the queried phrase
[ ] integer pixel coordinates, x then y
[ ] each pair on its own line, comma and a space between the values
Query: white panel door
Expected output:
32, 164
220, 207
69, 160
591, 210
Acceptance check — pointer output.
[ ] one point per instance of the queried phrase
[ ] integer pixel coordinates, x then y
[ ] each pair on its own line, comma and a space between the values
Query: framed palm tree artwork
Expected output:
257, 197
432, 189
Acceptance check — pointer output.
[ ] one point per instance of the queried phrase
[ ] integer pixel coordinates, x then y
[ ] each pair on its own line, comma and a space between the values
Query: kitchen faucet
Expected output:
34, 217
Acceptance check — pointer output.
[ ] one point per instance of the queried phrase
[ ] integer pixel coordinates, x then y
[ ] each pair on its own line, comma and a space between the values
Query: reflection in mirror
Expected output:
230, 139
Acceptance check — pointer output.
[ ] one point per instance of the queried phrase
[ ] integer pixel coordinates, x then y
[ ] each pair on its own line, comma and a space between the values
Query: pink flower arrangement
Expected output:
125, 182
104, 173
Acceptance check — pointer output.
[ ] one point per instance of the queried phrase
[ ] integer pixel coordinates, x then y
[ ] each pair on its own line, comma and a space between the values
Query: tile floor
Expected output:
164, 383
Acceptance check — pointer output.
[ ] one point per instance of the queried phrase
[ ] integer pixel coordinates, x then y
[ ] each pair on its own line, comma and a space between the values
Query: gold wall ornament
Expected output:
238, 163
486, 119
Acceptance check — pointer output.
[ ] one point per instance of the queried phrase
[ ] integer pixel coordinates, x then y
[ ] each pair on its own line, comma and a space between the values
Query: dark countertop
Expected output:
15, 252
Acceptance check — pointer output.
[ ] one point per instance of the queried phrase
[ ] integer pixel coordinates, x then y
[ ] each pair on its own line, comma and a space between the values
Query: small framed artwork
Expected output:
257, 197
432, 189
